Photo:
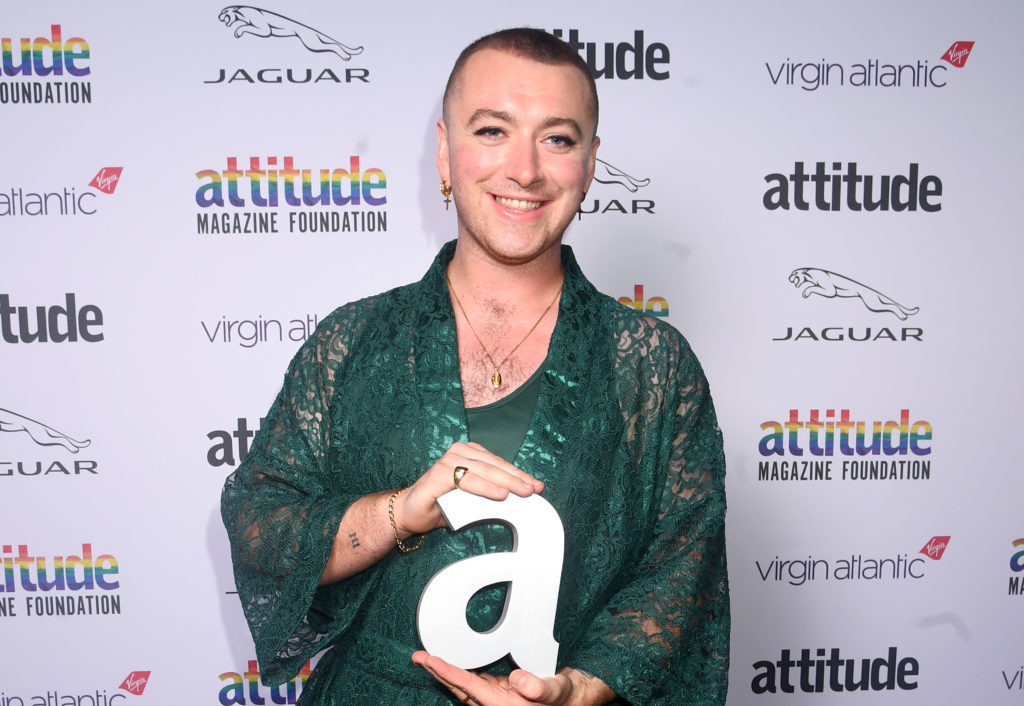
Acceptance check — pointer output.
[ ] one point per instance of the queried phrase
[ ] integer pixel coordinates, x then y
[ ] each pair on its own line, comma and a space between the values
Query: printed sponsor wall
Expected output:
820, 197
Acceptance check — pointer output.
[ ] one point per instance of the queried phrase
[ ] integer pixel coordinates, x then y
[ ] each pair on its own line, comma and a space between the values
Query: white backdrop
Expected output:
116, 439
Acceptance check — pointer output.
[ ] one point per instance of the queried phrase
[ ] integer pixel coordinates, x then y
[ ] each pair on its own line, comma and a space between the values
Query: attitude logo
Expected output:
74, 585
247, 21
868, 73
249, 333
866, 450
231, 446
245, 688
859, 192
622, 60
856, 566
64, 64
828, 670
832, 285
53, 324
47, 436
267, 187
655, 306
134, 684
1017, 567
612, 176
60, 201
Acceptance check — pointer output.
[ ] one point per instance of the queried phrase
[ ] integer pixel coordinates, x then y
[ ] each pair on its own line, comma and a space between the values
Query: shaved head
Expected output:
528, 43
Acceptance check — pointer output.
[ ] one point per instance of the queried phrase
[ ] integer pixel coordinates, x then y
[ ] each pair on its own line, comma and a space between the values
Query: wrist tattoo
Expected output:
354, 539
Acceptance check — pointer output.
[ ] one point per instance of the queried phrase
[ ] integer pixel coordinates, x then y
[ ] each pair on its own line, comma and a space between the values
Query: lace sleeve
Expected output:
282, 510
664, 637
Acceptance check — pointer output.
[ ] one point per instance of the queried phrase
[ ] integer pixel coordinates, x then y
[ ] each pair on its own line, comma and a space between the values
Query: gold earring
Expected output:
446, 192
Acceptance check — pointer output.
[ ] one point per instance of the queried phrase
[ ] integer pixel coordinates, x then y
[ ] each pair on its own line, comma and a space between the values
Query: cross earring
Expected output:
446, 192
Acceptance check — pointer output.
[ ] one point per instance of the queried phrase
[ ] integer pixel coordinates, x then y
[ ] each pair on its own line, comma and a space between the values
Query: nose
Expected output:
522, 163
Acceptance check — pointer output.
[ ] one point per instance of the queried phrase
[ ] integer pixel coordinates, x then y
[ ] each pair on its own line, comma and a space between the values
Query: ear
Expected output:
443, 169
591, 163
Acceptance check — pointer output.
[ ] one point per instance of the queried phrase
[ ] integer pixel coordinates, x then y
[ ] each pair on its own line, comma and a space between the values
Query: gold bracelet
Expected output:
394, 528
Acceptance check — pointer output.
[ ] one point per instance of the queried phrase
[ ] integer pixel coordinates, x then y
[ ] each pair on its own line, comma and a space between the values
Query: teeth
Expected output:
517, 204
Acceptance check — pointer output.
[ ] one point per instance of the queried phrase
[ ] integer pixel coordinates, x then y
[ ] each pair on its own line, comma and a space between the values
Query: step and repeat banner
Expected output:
824, 198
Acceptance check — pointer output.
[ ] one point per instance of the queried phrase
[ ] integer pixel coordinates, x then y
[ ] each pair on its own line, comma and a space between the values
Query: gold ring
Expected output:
460, 471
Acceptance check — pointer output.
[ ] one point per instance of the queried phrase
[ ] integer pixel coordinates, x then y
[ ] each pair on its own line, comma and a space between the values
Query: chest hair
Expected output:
500, 331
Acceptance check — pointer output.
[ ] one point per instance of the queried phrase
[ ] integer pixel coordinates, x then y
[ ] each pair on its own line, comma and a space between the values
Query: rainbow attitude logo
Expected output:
1017, 566
52, 58
72, 583
268, 184
655, 306
240, 686
885, 450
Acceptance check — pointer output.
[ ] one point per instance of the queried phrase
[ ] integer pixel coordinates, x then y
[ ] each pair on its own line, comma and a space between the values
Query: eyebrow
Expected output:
554, 121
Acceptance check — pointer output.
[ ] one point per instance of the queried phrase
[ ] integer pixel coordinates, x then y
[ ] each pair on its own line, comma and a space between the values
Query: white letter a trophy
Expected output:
533, 570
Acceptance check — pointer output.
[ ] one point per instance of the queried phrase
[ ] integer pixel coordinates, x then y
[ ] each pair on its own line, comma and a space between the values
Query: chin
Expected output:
513, 250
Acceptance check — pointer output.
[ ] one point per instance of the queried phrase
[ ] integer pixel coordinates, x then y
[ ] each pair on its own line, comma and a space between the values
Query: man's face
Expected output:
518, 151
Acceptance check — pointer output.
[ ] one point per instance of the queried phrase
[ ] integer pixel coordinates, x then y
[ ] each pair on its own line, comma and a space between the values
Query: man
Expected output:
562, 391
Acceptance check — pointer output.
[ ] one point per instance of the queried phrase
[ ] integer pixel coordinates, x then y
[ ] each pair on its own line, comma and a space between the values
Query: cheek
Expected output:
470, 163
568, 174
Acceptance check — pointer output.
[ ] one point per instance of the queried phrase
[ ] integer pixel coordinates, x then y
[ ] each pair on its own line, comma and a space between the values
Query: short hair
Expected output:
529, 43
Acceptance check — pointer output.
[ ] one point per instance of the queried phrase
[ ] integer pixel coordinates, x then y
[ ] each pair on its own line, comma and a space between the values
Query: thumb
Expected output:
532, 688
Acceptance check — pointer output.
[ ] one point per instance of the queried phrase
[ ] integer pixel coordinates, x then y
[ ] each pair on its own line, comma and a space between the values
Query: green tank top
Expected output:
501, 426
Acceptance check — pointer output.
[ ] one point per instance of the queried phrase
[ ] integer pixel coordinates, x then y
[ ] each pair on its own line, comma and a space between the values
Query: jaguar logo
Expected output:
245, 19
605, 173
41, 434
831, 284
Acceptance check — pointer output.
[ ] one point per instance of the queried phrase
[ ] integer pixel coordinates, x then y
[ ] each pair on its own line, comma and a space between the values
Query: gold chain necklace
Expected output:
496, 375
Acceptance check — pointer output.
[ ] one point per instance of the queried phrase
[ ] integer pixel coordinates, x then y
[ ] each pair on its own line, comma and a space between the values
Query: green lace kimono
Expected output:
624, 437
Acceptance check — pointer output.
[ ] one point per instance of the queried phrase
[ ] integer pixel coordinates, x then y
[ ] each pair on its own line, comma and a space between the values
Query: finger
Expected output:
475, 452
486, 482
499, 681
460, 682
420, 659
494, 478
533, 688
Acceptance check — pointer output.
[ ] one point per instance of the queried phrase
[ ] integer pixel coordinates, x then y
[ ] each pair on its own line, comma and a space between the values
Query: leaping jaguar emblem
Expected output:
246, 19
605, 173
41, 434
831, 284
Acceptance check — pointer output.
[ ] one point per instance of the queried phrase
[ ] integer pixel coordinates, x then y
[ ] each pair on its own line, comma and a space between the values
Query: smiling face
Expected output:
517, 146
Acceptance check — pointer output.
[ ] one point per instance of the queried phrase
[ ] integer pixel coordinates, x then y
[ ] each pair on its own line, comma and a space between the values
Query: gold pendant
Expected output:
496, 379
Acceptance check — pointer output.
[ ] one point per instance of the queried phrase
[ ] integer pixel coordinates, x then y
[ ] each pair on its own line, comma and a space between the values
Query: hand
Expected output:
488, 475
518, 689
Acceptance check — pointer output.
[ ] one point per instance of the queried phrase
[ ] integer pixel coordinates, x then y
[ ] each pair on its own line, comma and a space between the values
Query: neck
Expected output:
523, 285
505, 315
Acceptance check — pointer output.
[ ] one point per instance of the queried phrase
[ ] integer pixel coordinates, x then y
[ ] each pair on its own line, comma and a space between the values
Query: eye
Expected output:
489, 131
562, 141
